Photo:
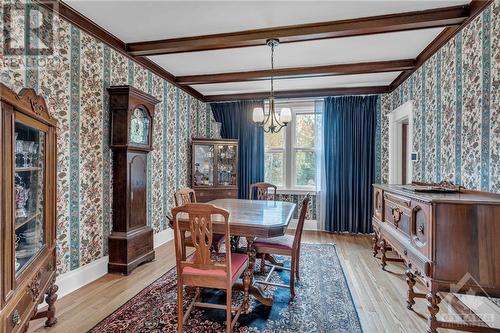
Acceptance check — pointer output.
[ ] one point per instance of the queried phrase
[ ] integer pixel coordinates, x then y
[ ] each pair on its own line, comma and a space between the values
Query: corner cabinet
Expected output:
28, 200
215, 169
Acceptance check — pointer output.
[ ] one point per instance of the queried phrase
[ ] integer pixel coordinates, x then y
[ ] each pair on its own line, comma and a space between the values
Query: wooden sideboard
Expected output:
450, 242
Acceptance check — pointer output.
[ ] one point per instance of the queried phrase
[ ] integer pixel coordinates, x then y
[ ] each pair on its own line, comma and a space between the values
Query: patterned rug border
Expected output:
345, 279
151, 285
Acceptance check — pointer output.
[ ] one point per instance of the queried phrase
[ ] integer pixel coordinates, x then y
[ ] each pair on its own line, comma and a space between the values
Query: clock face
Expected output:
139, 127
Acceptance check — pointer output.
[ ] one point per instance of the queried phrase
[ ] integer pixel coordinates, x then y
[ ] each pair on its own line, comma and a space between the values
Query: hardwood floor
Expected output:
379, 296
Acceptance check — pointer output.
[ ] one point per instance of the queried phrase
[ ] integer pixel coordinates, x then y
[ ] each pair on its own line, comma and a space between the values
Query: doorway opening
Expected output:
401, 144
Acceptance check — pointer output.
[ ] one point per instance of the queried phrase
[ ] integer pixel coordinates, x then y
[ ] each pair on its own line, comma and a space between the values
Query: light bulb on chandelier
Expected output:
272, 121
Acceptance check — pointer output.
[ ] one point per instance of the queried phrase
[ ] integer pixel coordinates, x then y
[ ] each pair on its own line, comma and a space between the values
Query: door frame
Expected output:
396, 118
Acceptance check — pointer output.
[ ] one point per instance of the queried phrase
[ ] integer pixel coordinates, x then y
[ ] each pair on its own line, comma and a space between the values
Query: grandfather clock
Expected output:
131, 240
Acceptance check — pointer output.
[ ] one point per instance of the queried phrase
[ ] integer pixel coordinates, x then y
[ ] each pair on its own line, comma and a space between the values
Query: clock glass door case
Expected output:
139, 127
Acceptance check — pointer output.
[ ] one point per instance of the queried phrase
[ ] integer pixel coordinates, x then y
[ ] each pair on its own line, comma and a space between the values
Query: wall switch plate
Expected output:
414, 156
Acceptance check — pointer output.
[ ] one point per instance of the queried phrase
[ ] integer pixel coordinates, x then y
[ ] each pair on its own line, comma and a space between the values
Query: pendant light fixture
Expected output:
272, 122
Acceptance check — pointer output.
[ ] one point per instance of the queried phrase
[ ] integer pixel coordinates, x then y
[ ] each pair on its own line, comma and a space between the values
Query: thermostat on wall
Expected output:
414, 156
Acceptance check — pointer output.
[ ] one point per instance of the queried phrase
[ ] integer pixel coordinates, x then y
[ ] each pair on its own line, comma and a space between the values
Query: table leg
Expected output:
248, 287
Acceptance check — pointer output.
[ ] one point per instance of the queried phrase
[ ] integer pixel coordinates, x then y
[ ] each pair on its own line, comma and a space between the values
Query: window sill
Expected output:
296, 191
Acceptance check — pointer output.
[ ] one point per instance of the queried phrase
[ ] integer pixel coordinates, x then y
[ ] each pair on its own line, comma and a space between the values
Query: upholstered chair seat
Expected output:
238, 261
281, 242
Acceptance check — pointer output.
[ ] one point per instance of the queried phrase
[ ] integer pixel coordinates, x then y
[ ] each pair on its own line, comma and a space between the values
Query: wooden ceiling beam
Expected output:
300, 93
432, 18
300, 72
475, 8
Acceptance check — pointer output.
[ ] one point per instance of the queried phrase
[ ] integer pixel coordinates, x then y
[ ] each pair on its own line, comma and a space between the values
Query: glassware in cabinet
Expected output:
29, 194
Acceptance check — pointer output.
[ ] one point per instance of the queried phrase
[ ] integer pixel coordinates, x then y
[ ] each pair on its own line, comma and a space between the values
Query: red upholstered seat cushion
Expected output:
237, 261
281, 242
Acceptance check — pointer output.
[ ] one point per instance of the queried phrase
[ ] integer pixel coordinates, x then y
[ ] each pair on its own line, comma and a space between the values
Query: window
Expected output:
290, 156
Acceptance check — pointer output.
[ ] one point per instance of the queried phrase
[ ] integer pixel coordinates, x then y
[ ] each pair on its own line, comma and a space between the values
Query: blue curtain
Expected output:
236, 119
349, 134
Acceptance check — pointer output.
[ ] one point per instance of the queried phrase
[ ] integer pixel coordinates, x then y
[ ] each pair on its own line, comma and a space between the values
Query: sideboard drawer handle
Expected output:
405, 252
421, 228
396, 216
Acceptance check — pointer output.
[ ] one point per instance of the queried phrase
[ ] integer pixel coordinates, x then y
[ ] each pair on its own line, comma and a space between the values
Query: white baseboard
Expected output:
162, 237
81, 276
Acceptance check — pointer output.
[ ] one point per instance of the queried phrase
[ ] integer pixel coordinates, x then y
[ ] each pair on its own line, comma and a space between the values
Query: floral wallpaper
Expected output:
456, 97
73, 82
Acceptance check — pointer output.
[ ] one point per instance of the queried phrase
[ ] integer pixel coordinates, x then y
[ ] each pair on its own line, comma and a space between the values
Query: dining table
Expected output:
249, 219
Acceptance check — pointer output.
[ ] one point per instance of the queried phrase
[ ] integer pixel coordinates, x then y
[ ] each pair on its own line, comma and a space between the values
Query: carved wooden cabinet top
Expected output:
27, 101
464, 196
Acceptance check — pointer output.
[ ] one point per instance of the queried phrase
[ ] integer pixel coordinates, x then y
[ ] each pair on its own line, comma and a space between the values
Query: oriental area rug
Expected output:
323, 303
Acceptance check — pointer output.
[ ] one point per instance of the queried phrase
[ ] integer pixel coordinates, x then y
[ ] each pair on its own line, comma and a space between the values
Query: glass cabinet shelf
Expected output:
28, 169
29, 191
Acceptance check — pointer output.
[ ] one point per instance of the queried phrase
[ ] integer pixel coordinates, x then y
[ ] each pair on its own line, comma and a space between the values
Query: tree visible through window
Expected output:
290, 157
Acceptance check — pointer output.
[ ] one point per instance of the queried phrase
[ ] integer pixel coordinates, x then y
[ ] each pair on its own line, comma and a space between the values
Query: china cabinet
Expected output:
215, 168
131, 240
28, 198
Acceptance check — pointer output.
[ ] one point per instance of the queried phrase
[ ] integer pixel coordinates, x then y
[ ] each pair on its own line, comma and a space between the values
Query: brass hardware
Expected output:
16, 318
421, 228
396, 216
405, 252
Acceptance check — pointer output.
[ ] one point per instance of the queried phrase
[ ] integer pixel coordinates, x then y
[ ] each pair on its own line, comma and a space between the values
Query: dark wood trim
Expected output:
432, 18
75, 18
475, 8
301, 93
160, 71
301, 72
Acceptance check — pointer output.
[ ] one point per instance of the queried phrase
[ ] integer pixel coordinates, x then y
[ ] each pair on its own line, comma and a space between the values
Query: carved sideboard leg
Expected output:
383, 249
433, 306
375, 244
410, 280
51, 299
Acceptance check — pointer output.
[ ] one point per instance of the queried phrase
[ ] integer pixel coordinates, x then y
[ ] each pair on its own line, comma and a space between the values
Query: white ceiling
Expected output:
134, 20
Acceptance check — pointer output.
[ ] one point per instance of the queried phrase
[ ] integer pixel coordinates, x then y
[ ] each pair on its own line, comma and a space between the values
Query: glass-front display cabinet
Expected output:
28, 199
215, 168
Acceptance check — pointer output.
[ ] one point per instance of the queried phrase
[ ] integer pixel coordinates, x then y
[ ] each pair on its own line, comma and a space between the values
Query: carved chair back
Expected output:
300, 224
201, 228
262, 190
184, 196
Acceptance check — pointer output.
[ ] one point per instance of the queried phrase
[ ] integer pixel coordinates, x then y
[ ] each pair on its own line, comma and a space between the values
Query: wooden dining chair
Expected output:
206, 269
188, 195
262, 190
286, 245
184, 196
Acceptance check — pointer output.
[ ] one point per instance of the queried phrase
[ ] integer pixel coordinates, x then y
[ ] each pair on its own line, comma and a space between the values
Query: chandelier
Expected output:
272, 122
